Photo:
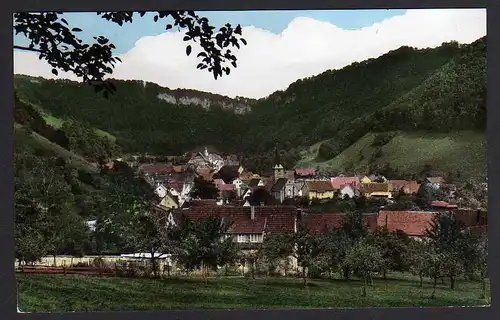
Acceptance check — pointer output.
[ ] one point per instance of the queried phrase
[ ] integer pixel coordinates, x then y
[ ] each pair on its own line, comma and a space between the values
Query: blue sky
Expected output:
125, 37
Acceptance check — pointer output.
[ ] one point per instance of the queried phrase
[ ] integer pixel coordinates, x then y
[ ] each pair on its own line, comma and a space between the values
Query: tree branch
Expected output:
28, 49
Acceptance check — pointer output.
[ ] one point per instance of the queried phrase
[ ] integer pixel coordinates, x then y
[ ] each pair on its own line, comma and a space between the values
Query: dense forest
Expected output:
441, 89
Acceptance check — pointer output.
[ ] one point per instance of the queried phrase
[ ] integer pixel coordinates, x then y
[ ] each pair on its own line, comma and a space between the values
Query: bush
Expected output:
382, 139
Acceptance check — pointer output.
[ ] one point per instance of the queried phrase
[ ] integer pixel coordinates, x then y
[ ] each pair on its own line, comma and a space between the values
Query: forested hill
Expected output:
441, 89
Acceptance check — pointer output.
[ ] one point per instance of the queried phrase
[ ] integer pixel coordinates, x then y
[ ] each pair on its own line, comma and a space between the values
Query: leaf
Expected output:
202, 54
76, 30
244, 41
155, 18
64, 21
168, 27
186, 38
233, 63
54, 71
188, 50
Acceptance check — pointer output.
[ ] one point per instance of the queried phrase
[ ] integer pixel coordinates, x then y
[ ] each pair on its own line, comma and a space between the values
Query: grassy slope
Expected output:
76, 293
464, 151
57, 123
36, 141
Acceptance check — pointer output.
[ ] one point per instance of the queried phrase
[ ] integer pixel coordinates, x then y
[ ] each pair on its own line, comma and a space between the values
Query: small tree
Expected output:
417, 256
307, 249
277, 247
449, 237
204, 245
364, 259
204, 189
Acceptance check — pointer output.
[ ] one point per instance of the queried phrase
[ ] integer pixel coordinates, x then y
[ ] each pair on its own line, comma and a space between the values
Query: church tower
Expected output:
278, 169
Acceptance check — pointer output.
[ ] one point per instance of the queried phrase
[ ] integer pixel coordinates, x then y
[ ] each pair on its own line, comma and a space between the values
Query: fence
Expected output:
65, 270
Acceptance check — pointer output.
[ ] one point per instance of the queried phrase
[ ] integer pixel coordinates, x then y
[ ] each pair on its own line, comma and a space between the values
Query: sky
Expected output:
283, 46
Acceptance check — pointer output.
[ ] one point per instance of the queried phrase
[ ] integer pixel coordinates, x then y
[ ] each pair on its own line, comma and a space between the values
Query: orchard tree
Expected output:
417, 255
364, 259
276, 249
450, 238
205, 246
307, 250
56, 42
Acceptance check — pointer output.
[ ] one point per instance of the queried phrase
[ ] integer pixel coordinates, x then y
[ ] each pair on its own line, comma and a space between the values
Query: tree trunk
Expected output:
371, 279
452, 282
364, 286
304, 276
421, 280
54, 260
434, 288
384, 273
225, 271
253, 269
346, 273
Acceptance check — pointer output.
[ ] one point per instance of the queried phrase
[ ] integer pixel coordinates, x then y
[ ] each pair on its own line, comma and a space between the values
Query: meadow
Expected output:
43, 293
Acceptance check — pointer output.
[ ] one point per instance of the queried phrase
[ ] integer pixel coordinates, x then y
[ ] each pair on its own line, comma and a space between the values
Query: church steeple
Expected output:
277, 157
279, 170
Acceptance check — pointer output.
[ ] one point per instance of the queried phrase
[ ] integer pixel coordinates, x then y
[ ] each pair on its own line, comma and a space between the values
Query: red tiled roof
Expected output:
472, 217
319, 186
218, 182
443, 204
226, 187
375, 187
340, 182
303, 172
318, 223
202, 202
413, 223
268, 218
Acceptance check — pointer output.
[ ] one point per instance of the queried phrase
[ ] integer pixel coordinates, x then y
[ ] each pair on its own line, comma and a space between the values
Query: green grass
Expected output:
39, 293
464, 151
39, 142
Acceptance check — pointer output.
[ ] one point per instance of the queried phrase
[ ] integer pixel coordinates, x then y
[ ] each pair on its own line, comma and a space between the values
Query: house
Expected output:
160, 190
227, 191
319, 189
412, 223
299, 189
305, 173
376, 189
278, 189
239, 186
293, 188
339, 182
408, 187
169, 201
434, 182
349, 191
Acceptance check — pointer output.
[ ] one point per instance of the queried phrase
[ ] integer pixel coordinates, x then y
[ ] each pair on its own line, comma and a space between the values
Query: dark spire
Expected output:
277, 158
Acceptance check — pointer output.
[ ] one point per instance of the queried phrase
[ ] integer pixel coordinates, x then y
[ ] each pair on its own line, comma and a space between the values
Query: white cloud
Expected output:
271, 62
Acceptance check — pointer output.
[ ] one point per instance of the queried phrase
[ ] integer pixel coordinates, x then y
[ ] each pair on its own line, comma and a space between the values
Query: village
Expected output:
258, 205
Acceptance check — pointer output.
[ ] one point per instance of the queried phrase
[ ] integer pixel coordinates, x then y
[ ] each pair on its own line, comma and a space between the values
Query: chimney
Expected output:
252, 212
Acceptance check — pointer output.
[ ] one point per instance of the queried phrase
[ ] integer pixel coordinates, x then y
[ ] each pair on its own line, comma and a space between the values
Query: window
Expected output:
242, 238
255, 238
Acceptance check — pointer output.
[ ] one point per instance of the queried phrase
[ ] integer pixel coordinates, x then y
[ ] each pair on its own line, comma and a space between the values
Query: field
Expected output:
463, 151
39, 293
